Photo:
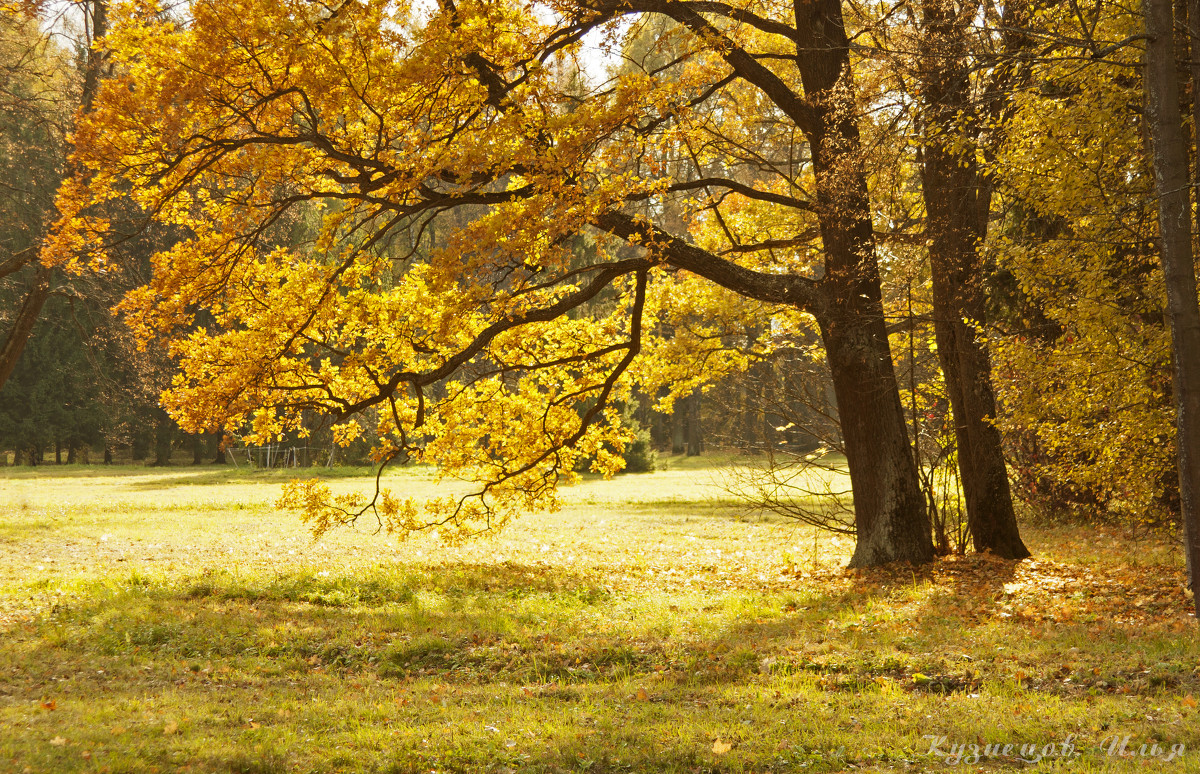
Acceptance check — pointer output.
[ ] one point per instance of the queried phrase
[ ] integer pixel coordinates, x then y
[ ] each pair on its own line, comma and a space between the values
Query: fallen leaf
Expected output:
58, 741
50, 705
170, 728
1189, 701
642, 695
720, 748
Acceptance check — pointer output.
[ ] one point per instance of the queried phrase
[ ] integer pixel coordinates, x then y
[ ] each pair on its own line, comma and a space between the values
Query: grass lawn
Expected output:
172, 621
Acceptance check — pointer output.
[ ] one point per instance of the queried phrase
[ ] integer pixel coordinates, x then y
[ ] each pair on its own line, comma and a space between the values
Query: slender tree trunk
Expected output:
14, 342
218, 450
679, 427
1175, 229
163, 436
956, 205
695, 438
22, 327
890, 517
139, 445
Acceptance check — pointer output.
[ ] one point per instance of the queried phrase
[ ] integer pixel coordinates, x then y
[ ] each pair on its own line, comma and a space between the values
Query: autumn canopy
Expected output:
424, 221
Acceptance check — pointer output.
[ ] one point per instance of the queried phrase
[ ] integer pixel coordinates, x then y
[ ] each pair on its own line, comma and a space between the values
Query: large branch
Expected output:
604, 277
732, 185
743, 62
801, 292
17, 261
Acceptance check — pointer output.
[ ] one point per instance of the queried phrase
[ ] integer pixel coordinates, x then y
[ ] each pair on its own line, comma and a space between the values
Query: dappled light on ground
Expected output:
645, 627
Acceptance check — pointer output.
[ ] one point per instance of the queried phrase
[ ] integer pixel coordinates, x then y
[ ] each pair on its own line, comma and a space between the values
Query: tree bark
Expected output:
1175, 230
956, 205
890, 517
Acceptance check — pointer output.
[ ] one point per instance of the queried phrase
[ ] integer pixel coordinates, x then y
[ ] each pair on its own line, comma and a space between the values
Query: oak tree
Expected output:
378, 120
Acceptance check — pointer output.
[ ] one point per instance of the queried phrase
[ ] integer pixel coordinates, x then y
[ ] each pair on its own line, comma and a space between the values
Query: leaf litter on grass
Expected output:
668, 627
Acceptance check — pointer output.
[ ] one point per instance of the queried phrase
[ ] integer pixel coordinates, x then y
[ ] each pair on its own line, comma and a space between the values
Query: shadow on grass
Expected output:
218, 475
14, 533
441, 653
481, 622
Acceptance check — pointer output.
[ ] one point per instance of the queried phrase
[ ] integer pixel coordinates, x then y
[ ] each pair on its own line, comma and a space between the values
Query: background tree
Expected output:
1084, 363
37, 96
1173, 186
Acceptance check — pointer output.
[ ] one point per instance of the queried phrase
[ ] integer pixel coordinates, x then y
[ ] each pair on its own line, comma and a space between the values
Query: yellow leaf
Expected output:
720, 748
58, 741
1189, 701
642, 695
170, 728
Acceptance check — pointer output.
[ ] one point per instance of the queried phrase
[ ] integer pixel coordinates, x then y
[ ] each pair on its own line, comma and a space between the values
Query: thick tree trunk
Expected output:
956, 205
891, 519
890, 516
889, 511
1175, 228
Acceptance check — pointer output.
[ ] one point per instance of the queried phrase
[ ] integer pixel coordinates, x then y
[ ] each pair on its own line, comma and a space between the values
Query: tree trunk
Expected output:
956, 205
216, 444
22, 327
890, 517
197, 449
679, 426
163, 436
695, 438
140, 446
1175, 229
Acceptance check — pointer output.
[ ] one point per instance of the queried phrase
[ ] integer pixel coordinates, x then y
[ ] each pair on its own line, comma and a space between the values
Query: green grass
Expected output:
172, 620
